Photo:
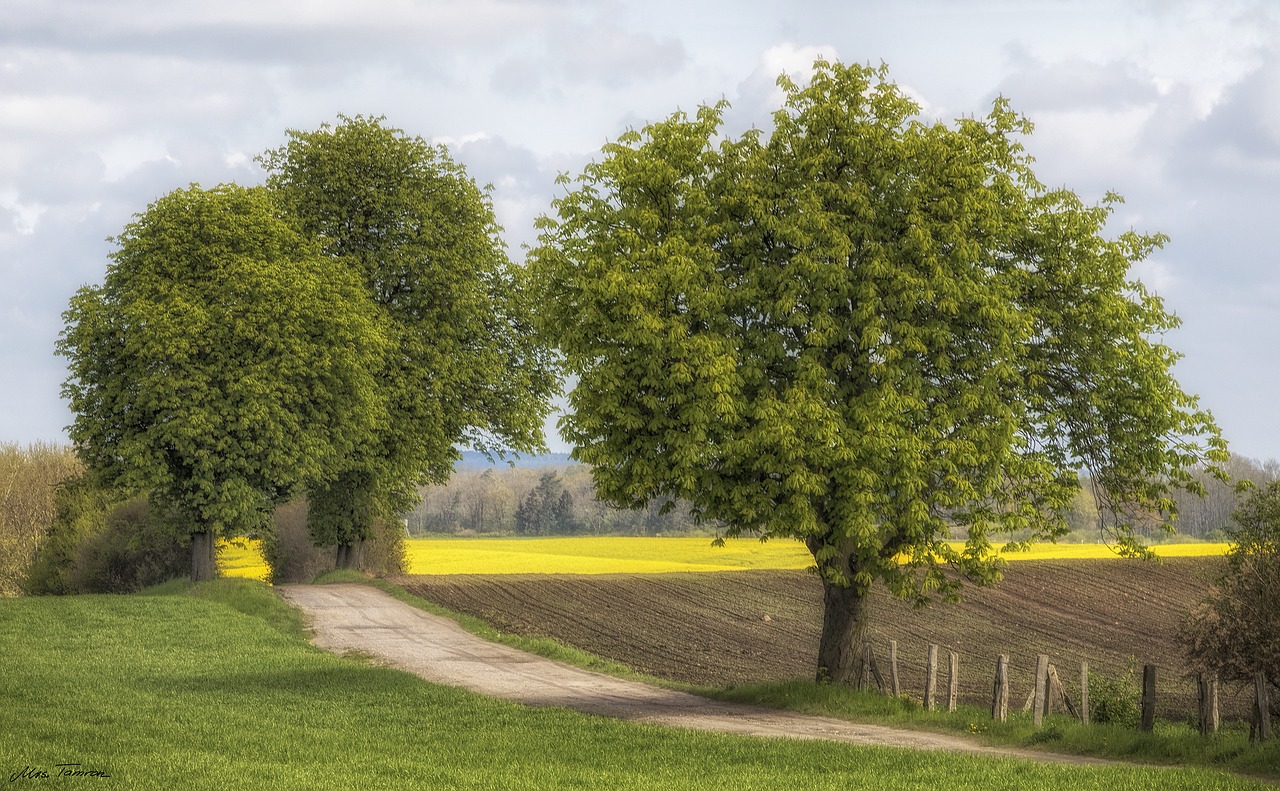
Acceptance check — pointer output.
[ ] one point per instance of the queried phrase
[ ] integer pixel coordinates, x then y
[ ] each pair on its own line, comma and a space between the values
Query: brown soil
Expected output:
731, 628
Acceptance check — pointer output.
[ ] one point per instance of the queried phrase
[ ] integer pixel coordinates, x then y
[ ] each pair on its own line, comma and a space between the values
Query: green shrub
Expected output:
1116, 699
100, 545
138, 548
81, 507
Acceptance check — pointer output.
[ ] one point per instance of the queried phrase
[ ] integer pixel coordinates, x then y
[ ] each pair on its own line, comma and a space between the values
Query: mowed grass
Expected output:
637, 555
218, 690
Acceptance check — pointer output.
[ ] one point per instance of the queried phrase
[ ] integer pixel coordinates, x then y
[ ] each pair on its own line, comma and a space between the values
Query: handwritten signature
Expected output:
59, 770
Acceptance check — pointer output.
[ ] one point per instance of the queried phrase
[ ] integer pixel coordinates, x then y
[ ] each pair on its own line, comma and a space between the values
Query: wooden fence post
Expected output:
1261, 730
931, 677
1207, 697
953, 681
1041, 700
1084, 692
1000, 694
1148, 697
893, 668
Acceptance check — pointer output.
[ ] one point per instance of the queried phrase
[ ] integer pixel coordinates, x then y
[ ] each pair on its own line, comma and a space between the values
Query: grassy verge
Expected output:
211, 687
1170, 743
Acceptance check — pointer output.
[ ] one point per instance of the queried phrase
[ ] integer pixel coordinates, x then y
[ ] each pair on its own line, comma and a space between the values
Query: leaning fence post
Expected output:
1261, 709
1041, 700
953, 680
931, 677
1084, 692
893, 668
1000, 693
870, 670
1148, 697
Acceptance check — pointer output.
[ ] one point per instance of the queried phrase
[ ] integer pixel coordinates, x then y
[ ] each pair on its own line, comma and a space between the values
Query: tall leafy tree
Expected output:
222, 361
861, 330
422, 237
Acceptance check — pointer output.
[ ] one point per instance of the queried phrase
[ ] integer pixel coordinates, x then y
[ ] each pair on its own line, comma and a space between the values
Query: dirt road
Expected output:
352, 617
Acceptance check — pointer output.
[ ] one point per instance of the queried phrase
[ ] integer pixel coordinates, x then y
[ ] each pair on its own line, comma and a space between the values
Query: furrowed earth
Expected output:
738, 627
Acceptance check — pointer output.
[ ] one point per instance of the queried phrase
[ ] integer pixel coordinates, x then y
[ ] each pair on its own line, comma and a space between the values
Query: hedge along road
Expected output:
353, 617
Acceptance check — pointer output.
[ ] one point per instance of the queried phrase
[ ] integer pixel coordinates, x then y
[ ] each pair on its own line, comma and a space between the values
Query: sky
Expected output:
1174, 104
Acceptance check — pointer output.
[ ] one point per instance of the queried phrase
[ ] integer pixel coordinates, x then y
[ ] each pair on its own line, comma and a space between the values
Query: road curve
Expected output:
354, 617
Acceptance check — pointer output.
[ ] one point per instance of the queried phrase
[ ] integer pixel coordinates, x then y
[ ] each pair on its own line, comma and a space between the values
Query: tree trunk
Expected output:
202, 566
844, 627
349, 555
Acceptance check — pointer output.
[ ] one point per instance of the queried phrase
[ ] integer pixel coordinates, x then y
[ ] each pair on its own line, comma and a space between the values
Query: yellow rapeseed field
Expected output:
636, 555
243, 558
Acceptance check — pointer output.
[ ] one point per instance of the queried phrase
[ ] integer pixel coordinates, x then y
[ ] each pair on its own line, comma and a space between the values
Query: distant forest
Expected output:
556, 497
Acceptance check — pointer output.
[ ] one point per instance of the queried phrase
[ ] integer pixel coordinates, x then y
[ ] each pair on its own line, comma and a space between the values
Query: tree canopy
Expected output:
464, 368
223, 361
861, 330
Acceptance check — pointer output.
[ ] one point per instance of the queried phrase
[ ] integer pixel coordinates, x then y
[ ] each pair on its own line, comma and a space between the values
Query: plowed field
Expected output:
727, 628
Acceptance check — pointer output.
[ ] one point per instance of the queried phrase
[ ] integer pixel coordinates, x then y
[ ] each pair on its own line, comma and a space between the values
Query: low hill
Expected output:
739, 627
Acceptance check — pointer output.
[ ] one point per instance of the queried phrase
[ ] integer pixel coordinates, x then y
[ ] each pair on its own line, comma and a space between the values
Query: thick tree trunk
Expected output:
202, 566
844, 627
349, 555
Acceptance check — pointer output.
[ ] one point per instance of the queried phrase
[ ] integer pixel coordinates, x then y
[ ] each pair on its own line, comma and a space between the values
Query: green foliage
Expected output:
223, 361
100, 545
860, 331
1116, 699
1236, 631
403, 217
81, 507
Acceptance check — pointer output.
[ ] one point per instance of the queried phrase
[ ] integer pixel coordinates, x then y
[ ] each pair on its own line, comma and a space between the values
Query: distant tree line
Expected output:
561, 500
540, 502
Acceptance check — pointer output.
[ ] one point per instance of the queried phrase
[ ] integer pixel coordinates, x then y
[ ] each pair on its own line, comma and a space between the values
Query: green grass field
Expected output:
635, 555
217, 690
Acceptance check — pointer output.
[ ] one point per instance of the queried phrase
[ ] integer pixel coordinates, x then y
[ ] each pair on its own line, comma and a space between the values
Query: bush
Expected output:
289, 551
1235, 632
81, 508
137, 549
29, 481
1116, 699
99, 545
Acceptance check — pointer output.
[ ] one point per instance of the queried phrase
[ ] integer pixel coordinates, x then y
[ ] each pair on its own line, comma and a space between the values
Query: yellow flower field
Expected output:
636, 555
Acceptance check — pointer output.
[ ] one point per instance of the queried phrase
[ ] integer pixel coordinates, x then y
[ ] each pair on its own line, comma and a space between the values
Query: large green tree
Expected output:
422, 237
864, 331
222, 362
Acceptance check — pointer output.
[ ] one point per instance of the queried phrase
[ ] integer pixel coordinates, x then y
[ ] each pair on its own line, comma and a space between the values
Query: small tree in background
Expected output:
547, 509
1236, 631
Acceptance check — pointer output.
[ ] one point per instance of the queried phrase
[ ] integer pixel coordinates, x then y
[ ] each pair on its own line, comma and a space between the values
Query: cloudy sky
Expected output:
106, 106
